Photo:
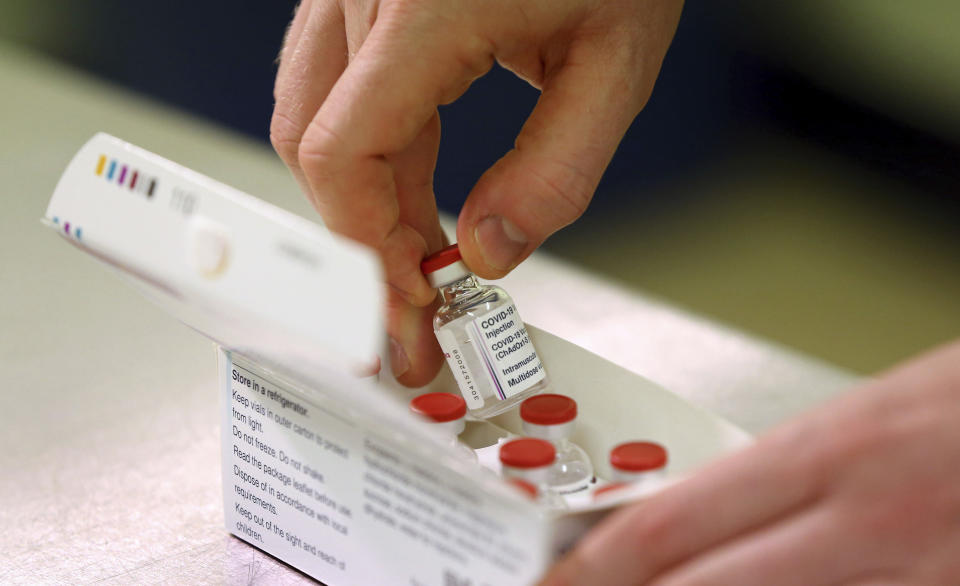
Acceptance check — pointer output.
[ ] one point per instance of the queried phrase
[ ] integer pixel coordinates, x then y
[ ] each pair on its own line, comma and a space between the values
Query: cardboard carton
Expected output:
327, 471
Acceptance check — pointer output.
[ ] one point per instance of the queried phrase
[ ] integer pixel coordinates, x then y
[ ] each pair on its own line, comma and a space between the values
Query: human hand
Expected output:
865, 490
356, 121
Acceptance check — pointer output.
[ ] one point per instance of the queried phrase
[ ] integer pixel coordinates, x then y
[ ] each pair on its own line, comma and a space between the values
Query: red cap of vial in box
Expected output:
441, 258
638, 456
603, 491
439, 407
527, 487
548, 409
527, 452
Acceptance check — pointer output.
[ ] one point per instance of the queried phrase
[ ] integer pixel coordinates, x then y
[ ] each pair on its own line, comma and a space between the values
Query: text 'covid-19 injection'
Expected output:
482, 337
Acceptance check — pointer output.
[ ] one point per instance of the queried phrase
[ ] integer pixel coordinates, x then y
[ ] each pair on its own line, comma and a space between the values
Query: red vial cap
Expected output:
527, 487
527, 452
606, 490
548, 409
441, 258
439, 407
638, 456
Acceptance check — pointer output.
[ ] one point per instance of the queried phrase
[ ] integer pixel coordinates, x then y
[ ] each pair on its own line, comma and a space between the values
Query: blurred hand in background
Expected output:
861, 491
356, 121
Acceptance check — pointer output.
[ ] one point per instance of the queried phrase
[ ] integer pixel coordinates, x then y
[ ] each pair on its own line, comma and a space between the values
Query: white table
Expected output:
110, 450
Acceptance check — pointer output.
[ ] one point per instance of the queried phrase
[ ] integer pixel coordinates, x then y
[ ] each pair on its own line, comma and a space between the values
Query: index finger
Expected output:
408, 65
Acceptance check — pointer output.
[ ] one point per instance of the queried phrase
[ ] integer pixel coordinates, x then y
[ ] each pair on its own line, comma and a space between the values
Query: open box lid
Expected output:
253, 277
304, 304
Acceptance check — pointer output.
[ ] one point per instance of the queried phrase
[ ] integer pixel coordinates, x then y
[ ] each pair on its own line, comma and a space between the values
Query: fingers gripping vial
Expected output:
483, 338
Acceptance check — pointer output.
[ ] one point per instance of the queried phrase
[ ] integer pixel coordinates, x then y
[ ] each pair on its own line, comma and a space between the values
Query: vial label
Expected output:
506, 351
461, 371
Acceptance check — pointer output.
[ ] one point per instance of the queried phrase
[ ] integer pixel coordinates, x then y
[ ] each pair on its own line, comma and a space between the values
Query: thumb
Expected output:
548, 179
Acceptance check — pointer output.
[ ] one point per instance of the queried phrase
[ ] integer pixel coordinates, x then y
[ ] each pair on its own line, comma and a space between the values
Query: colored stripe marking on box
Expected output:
138, 183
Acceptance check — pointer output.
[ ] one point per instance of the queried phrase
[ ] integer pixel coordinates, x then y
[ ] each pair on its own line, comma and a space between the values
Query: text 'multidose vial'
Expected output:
483, 338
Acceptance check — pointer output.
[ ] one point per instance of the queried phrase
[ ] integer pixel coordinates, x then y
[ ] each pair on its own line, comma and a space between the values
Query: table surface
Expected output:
111, 433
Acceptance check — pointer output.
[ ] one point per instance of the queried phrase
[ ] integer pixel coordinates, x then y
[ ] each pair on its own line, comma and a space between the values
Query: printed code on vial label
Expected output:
461, 371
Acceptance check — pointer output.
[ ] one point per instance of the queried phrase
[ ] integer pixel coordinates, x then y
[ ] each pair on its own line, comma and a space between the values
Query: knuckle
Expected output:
450, 28
470, 61
634, 64
475, 55
400, 8
400, 12
285, 136
567, 190
319, 149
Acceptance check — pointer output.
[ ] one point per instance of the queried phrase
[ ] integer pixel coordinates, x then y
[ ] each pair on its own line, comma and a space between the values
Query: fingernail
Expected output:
501, 242
399, 363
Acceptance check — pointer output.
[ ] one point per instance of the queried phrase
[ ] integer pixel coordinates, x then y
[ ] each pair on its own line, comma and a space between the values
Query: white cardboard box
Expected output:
328, 472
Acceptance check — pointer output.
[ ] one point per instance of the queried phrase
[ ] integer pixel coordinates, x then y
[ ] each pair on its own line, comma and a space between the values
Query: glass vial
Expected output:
447, 412
529, 460
633, 463
553, 417
482, 337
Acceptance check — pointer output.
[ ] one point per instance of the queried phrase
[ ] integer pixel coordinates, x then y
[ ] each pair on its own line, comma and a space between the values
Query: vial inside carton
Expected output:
326, 471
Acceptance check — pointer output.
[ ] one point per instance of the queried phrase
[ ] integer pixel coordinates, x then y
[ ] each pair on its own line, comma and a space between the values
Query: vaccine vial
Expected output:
632, 463
553, 417
447, 412
529, 460
482, 337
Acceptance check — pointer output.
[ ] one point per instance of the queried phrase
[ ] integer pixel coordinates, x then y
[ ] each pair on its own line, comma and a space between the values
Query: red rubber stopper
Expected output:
548, 409
527, 452
606, 490
638, 456
439, 407
439, 259
527, 487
